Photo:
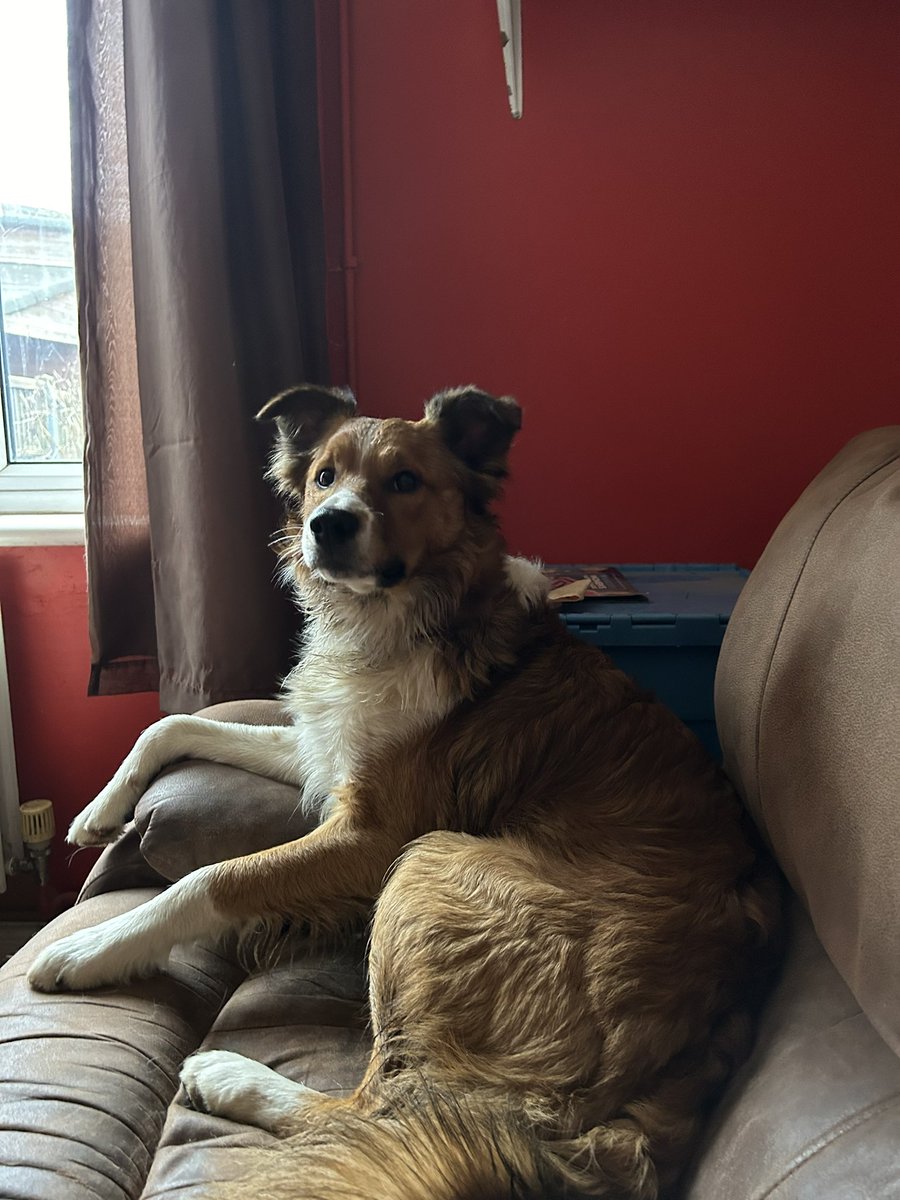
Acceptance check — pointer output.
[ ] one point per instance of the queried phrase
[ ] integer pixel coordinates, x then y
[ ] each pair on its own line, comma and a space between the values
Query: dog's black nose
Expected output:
334, 526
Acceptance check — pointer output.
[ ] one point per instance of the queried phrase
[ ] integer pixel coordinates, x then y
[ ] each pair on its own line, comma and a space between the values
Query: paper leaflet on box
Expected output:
570, 582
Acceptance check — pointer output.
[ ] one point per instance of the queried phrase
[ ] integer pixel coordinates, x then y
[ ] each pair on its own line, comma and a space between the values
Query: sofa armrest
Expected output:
195, 813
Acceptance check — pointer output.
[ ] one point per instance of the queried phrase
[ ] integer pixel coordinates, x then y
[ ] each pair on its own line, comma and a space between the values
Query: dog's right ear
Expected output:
306, 414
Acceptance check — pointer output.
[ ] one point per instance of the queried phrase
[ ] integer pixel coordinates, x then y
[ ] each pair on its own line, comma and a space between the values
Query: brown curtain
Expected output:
200, 259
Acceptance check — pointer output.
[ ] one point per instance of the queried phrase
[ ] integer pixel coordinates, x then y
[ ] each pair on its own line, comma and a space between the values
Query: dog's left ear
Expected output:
478, 428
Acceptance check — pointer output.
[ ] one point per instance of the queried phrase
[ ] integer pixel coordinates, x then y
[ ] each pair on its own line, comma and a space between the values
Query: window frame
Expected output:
28, 489
40, 488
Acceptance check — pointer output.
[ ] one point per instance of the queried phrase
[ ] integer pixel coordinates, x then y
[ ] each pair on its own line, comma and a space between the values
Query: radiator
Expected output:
10, 820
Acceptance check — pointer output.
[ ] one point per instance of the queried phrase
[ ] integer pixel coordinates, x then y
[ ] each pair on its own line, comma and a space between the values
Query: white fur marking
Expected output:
527, 578
344, 715
362, 585
346, 500
241, 1089
134, 943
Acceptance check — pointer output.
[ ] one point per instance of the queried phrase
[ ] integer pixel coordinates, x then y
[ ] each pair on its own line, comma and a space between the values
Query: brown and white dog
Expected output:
570, 916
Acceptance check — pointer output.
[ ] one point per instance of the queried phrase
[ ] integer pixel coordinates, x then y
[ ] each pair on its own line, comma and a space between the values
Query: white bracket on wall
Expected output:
510, 14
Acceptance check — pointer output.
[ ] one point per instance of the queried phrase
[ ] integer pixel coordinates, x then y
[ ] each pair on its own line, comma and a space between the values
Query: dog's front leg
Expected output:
324, 879
269, 750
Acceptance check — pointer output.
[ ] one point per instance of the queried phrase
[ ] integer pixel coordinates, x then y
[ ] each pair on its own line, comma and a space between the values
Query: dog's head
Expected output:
377, 501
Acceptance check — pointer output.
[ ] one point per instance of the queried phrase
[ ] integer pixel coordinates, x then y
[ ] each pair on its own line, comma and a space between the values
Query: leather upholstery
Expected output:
85, 1081
808, 709
89, 1101
307, 1019
196, 813
815, 1113
808, 701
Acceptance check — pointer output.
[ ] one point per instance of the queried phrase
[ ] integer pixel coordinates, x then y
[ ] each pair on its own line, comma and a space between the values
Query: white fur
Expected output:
134, 943
348, 501
528, 579
354, 696
265, 750
230, 1085
347, 710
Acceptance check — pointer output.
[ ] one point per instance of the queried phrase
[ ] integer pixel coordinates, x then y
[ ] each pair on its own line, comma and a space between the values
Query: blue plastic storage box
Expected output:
669, 642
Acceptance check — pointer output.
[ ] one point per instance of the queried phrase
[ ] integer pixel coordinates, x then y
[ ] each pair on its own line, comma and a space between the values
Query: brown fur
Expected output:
575, 918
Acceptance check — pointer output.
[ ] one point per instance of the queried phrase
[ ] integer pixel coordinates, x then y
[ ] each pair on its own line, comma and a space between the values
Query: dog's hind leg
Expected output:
269, 750
476, 969
483, 984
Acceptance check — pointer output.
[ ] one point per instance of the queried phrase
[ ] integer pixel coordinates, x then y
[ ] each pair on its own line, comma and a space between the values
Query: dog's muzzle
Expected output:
337, 544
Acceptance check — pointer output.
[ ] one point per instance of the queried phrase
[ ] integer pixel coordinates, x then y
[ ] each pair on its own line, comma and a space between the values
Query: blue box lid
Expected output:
686, 604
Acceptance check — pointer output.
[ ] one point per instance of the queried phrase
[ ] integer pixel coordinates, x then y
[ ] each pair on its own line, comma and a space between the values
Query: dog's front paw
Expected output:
104, 819
229, 1085
90, 958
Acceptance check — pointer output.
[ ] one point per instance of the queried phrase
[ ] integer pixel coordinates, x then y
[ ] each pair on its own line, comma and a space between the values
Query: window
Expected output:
40, 386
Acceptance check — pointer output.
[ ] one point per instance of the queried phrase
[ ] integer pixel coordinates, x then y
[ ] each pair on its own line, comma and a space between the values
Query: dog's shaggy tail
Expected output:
426, 1141
410, 1138
431, 1146
440, 1146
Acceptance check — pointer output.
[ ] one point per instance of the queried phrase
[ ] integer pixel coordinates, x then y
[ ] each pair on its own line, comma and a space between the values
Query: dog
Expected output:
571, 917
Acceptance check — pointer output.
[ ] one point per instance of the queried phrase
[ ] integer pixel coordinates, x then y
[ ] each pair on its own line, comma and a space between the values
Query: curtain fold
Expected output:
213, 106
122, 633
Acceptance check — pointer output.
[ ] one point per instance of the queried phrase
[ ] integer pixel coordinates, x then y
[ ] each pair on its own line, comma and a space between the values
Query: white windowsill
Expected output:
42, 529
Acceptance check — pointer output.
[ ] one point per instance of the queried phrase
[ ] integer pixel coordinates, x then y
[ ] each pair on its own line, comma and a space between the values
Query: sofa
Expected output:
808, 709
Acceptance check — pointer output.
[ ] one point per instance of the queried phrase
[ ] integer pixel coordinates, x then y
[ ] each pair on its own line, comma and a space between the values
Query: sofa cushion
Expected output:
305, 1017
121, 865
87, 1079
199, 812
808, 708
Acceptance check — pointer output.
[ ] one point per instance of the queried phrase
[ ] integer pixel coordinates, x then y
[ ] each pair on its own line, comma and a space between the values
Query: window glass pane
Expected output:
38, 315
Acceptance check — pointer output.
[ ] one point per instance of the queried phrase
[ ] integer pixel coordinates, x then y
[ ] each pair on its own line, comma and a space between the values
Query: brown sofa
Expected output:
808, 704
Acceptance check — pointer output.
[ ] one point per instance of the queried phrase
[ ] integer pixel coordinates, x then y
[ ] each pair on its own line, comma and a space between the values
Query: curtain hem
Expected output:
122, 676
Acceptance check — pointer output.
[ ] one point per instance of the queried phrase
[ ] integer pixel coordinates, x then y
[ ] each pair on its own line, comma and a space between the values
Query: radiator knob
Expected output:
38, 825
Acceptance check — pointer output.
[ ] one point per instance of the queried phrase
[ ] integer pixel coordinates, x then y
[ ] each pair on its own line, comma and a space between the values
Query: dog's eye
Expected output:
405, 481
325, 477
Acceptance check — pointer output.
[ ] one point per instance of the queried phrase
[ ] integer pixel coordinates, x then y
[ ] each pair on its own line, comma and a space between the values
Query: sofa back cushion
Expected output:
808, 708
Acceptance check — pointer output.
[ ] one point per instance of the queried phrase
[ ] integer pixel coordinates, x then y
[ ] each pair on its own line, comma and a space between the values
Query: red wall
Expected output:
683, 260
67, 746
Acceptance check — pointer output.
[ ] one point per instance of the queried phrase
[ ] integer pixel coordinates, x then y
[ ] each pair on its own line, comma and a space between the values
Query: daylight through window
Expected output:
40, 380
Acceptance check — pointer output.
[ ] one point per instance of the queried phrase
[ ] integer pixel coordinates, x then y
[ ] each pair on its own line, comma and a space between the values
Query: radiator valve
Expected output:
38, 828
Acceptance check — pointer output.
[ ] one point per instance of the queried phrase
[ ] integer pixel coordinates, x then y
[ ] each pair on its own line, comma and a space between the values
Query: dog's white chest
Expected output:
344, 716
